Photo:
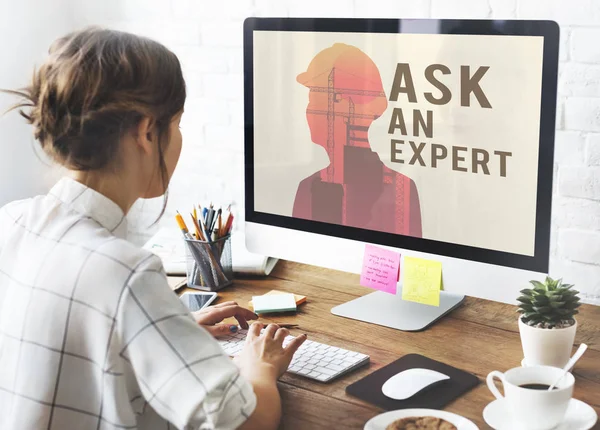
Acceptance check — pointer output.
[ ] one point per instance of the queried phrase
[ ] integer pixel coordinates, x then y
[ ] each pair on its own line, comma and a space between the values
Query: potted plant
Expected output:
547, 324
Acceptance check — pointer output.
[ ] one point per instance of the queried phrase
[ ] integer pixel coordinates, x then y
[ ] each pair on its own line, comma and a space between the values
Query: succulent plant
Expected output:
551, 304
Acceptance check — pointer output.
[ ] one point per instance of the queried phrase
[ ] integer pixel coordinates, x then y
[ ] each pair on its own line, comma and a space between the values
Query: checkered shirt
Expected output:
91, 336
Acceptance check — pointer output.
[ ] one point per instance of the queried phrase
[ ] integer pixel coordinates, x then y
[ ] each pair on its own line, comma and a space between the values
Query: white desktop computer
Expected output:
433, 138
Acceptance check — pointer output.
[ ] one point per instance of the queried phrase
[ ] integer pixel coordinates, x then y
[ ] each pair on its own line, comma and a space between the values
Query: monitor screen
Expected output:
428, 135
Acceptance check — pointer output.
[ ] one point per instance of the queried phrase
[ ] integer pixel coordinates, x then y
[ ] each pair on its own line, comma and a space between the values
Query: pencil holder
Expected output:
209, 266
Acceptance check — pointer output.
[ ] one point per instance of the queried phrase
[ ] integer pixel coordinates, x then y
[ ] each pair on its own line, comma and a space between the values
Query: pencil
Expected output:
219, 224
229, 224
197, 227
286, 325
181, 224
203, 229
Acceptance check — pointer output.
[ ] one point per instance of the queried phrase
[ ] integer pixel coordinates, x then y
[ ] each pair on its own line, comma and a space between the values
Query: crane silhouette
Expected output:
334, 95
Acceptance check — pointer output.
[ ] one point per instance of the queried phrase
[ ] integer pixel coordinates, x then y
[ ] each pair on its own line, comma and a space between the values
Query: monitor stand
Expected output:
391, 311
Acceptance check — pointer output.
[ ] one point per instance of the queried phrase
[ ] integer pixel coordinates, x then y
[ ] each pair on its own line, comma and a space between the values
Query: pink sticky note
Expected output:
381, 269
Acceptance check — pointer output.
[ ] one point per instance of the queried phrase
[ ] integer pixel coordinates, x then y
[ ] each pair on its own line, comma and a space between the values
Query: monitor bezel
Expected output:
549, 30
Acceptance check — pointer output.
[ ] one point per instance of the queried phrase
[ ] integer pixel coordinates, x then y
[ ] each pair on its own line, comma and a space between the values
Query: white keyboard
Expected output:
313, 360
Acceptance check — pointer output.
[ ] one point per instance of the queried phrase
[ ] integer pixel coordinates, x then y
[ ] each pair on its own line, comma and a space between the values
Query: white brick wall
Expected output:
584, 45
207, 36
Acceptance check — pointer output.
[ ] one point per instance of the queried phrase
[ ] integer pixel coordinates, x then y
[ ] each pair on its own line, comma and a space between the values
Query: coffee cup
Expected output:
527, 399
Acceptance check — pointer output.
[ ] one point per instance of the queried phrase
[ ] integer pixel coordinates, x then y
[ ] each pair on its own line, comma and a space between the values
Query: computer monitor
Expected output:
431, 137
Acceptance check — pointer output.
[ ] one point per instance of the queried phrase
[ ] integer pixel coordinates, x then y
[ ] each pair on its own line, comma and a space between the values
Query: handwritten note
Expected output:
422, 280
380, 269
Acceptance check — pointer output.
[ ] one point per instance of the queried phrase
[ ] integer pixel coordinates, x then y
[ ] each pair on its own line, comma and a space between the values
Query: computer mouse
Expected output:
409, 382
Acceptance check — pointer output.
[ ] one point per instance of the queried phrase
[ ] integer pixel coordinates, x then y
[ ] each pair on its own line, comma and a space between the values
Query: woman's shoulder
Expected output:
16, 207
131, 256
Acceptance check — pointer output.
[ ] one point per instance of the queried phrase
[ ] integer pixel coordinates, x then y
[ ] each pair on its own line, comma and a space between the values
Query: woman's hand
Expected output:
264, 356
210, 318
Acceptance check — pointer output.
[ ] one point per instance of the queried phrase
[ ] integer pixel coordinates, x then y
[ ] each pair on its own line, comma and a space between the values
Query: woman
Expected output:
91, 336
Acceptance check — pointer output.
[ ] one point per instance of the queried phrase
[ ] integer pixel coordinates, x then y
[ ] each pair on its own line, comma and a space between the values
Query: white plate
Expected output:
381, 421
579, 416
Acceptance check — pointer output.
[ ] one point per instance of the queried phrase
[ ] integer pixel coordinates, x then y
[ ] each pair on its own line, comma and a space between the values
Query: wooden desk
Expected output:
479, 337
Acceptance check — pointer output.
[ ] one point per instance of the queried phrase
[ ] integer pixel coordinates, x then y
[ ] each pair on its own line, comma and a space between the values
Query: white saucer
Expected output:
579, 416
381, 421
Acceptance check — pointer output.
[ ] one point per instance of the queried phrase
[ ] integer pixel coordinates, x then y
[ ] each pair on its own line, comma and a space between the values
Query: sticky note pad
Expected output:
274, 303
380, 269
299, 299
422, 281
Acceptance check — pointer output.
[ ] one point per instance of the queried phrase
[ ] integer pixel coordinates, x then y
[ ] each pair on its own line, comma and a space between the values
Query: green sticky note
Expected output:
422, 281
274, 303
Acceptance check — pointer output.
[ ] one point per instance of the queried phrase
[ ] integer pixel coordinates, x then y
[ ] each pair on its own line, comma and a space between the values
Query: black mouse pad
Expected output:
435, 396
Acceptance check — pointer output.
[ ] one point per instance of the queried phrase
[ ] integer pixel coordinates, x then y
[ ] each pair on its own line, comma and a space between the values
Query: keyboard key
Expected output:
314, 374
325, 371
334, 367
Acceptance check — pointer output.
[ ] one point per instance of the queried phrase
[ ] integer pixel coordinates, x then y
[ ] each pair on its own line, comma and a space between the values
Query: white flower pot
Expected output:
547, 347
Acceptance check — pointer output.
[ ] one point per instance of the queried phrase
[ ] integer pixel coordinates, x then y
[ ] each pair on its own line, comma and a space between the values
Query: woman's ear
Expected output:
145, 135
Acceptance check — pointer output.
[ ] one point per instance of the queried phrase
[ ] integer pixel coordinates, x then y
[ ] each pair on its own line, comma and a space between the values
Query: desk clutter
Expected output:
169, 247
208, 248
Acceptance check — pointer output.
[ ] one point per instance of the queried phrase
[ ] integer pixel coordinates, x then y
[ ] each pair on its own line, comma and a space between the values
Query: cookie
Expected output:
420, 423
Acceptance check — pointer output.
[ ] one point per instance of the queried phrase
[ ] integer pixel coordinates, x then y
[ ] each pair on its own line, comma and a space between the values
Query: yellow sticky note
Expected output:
422, 280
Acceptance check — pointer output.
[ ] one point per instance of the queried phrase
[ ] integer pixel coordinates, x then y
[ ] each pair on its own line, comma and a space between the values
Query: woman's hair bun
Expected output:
95, 85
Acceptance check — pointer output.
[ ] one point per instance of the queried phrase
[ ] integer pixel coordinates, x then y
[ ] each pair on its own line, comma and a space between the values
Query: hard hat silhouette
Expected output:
353, 69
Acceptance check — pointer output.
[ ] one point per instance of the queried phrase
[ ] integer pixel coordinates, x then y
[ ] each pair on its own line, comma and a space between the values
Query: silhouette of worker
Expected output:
356, 189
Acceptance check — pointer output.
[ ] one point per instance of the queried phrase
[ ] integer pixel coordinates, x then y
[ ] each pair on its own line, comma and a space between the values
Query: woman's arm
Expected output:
267, 414
183, 372
262, 361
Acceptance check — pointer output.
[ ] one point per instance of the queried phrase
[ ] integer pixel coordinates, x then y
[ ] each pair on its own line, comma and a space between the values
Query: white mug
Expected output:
533, 409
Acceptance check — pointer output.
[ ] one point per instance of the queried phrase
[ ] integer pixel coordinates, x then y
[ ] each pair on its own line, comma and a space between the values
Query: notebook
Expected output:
436, 397
168, 244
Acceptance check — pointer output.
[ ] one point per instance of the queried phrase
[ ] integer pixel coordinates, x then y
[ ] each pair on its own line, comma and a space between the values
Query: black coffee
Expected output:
536, 386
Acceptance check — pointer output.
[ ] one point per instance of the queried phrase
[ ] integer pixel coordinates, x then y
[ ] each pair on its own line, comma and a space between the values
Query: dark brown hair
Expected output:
95, 86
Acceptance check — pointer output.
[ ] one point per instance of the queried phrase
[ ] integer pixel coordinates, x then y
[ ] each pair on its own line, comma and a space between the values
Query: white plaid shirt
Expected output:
91, 336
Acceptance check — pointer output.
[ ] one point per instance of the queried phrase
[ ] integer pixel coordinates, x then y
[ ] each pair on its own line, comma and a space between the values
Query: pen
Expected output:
209, 218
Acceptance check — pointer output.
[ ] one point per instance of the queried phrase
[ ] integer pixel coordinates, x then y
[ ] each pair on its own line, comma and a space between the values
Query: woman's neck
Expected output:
109, 185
